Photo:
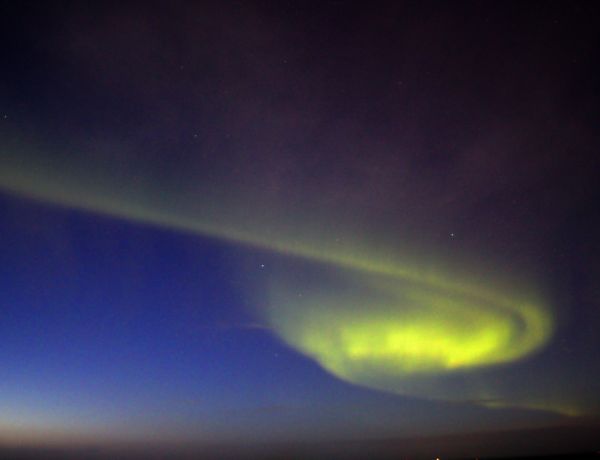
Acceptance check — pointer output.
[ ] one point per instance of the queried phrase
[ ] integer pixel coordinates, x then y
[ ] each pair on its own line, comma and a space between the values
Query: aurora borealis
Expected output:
399, 322
264, 222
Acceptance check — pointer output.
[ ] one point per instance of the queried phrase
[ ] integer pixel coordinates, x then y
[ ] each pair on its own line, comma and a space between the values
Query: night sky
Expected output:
260, 223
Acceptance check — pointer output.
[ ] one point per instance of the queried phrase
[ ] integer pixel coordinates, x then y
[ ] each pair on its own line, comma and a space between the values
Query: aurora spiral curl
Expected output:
372, 319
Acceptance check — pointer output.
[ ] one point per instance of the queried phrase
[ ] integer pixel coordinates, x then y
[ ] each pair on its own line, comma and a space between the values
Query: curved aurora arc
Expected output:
380, 324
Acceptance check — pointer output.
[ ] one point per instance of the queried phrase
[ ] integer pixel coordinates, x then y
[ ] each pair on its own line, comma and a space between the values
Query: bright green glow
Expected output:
406, 324
427, 330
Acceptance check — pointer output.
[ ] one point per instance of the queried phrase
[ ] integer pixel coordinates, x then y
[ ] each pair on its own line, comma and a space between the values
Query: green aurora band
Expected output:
383, 324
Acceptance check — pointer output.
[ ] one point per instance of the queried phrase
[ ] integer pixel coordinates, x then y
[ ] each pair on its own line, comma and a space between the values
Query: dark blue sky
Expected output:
112, 323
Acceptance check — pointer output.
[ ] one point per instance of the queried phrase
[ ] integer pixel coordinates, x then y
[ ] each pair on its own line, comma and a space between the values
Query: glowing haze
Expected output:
383, 323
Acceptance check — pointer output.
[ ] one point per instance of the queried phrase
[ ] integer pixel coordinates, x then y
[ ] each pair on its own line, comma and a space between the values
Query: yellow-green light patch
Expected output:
406, 329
